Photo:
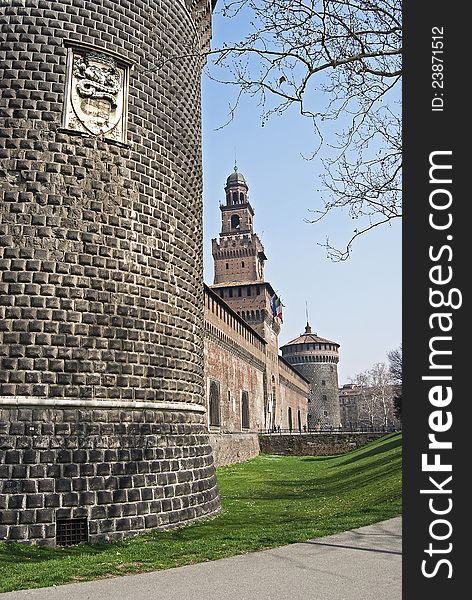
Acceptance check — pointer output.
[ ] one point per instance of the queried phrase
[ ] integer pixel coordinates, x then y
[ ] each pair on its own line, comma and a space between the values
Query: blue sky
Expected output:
356, 303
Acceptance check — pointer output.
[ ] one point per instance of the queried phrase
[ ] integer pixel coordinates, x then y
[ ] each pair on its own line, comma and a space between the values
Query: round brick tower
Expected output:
102, 429
317, 360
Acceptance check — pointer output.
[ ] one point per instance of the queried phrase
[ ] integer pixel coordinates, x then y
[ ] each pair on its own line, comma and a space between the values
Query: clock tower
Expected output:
239, 259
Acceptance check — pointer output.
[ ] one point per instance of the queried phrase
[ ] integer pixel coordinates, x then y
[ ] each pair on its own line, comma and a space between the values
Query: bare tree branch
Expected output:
340, 62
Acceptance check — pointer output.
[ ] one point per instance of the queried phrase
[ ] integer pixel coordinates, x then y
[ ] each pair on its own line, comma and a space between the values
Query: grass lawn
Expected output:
268, 501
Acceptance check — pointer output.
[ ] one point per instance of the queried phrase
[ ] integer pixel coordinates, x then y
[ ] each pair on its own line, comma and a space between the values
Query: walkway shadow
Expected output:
18, 553
353, 547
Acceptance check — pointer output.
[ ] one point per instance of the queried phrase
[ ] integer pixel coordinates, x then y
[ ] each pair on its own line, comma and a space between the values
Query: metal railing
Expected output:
328, 429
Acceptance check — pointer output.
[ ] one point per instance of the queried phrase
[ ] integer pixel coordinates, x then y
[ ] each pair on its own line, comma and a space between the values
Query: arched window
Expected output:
242, 199
245, 410
274, 402
214, 404
290, 425
299, 416
235, 222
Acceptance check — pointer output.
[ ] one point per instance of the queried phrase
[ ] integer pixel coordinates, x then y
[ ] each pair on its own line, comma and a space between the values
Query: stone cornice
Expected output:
35, 401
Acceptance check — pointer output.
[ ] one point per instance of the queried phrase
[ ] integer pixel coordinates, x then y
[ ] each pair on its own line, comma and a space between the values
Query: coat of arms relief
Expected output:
96, 95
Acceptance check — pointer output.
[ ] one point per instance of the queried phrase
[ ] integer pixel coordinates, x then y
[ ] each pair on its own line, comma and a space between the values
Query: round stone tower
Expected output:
102, 429
317, 360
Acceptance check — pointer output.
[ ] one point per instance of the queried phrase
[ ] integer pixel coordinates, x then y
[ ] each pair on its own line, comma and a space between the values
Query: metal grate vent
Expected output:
70, 532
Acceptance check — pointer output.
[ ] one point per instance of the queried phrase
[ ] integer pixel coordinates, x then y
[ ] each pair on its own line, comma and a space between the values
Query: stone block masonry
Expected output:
320, 444
231, 448
101, 295
124, 470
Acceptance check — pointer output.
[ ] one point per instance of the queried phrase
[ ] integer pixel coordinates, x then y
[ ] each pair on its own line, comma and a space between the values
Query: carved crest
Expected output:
96, 95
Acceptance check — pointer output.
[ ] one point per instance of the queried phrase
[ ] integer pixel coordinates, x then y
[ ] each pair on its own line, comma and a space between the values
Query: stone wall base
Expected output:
231, 448
125, 471
320, 444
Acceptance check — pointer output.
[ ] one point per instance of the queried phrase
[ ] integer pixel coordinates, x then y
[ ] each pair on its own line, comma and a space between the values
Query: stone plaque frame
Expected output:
96, 94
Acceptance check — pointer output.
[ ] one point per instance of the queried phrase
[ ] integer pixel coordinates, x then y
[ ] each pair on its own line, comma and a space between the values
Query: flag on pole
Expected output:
276, 307
278, 304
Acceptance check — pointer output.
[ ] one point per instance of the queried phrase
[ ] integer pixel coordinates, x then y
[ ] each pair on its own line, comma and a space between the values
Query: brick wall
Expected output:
294, 394
234, 358
230, 448
238, 360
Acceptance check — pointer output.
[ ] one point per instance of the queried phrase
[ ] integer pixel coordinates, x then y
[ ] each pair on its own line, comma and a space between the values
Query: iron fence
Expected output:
327, 429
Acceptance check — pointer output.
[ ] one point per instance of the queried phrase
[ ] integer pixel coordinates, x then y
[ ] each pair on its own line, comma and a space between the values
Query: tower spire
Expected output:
307, 328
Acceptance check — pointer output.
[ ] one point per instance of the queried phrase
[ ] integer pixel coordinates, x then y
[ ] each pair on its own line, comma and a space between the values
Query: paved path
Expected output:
363, 564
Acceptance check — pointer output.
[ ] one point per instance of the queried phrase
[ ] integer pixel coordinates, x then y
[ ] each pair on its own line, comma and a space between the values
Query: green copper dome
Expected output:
236, 178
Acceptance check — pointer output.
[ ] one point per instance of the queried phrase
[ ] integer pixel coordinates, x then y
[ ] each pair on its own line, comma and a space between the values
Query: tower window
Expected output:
245, 410
324, 397
227, 265
248, 291
258, 290
239, 292
323, 382
242, 199
230, 293
235, 222
214, 404
242, 263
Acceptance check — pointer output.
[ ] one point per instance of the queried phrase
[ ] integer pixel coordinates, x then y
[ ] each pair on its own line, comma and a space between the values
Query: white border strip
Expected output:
77, 402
